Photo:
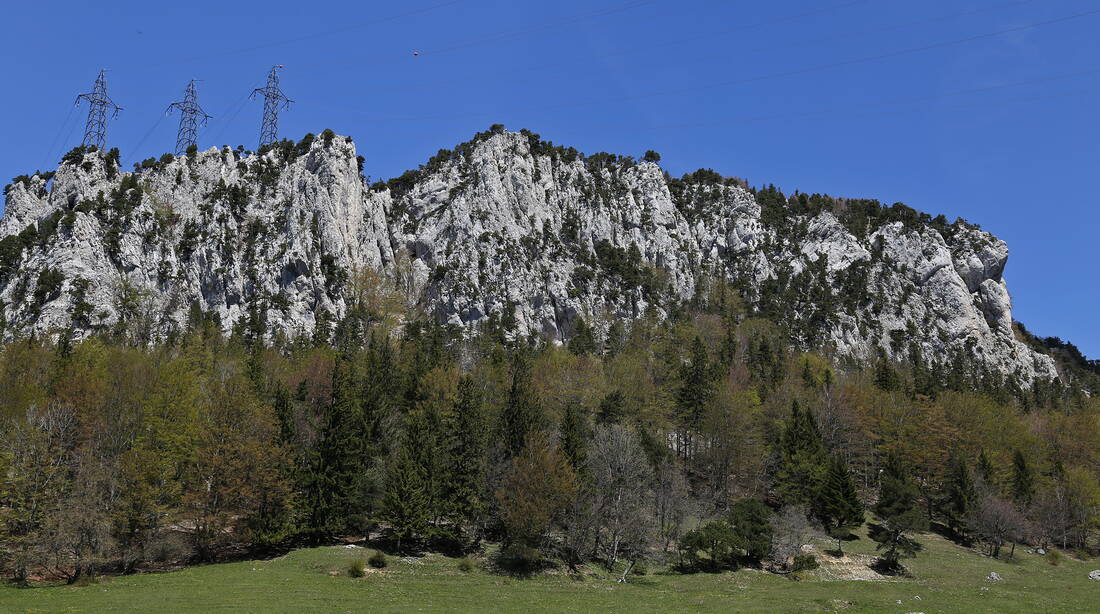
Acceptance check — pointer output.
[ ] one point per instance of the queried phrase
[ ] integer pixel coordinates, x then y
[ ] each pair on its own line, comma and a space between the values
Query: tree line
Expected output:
700, 441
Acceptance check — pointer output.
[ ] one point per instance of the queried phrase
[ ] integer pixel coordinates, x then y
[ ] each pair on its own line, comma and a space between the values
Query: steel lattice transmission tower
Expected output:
190, 116
95, 131
274, 99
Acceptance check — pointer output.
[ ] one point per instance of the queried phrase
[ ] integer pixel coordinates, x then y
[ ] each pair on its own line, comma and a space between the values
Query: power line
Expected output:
60, 130
512, 34
319, 34
777, 75
896, 101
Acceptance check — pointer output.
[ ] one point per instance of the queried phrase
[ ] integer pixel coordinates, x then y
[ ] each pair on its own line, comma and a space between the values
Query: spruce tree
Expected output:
958, 494
583, 341
985, 469
334, 464
838, 506
612, 408
1023, 482
465, 427
898, 513
802, 459
405, 503
696, 389
522, 415
574, 436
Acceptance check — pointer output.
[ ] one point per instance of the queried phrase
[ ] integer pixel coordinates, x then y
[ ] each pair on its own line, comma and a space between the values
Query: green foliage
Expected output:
583, 341
958, 496
651, 156
803, 460
804, 562
743, 536
1023, 482
899, 514
357, 568
837, 506
378, 560
522, 415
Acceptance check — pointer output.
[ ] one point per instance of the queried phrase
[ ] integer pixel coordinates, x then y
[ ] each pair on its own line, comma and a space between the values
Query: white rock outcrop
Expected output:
506, 225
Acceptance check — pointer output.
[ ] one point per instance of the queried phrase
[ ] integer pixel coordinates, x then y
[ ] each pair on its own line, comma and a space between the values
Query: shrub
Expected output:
358, 568
804, 562
378, 560
639, 569
1053, 557
520, 559
465, 565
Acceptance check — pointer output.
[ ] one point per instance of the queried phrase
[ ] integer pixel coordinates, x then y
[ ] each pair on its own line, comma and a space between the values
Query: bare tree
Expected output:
996, 521
34, 483
620, 479
670, 501
790, 530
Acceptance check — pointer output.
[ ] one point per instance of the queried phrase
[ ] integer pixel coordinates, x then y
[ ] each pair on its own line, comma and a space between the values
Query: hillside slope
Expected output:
505, 229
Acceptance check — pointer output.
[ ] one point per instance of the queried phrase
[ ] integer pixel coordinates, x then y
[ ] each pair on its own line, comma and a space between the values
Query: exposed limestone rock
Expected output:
504, 225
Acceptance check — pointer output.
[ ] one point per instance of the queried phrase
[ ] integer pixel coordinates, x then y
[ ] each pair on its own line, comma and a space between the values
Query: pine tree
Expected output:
334, 465
958, 493
522, 415
802, 460
465, 427
985, 469
696, 390
1023, 482
838, 506
583, 341
574, 436
898, 513
405, 503
612, 408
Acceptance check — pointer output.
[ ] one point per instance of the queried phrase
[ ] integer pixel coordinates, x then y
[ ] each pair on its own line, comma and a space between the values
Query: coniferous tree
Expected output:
466, 455
958, 494
612, 408
898, 513
335, 463
1023, 482
574, 436
522, 415
985, 469
802, 460
838, 506
406, 500
583, 341
695, 392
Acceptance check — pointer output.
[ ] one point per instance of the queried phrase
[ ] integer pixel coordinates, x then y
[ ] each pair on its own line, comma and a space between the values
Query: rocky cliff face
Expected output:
505, 225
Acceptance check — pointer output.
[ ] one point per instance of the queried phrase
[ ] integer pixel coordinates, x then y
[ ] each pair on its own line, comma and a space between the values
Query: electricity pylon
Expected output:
190, 116
274, 99
95, 130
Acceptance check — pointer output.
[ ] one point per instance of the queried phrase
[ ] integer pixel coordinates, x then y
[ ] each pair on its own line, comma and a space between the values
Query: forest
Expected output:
698, 441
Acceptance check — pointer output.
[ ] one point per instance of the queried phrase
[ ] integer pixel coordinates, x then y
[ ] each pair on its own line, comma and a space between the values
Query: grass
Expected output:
946, 577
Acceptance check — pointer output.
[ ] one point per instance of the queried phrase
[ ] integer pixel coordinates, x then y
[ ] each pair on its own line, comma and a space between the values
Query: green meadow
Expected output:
943, 578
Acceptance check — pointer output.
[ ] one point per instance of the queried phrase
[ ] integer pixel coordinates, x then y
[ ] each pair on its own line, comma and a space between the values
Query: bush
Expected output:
1053, 557
639, 569
358, 568
520, 559
378, 560
803, 562
465, 565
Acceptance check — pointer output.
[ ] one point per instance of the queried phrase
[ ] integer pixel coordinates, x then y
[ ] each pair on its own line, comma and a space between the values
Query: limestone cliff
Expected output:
504, 224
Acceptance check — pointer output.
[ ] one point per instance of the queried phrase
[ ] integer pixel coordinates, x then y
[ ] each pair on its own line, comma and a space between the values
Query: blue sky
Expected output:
985, 109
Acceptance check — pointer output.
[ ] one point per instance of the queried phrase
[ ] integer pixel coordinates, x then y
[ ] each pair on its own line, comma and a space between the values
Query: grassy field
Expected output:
945, 578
